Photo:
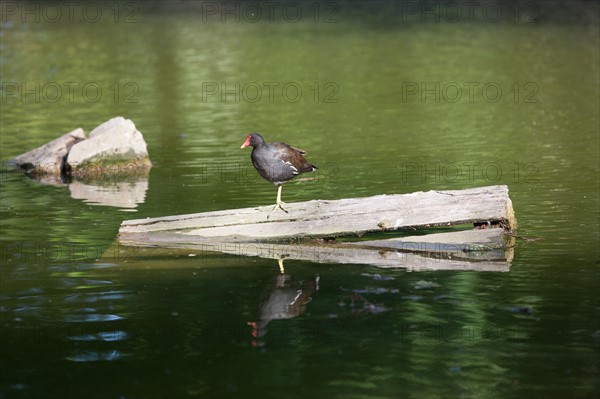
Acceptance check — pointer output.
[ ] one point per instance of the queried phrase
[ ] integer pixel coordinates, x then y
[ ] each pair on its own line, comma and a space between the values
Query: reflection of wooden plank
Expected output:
337, 217
343, 253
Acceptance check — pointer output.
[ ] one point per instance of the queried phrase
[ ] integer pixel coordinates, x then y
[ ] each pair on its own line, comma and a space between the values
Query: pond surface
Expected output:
385, 99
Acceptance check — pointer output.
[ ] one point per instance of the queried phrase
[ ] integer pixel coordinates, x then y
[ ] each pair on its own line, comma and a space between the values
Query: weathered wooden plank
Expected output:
323, 218
472, 245
417, 255
466, 241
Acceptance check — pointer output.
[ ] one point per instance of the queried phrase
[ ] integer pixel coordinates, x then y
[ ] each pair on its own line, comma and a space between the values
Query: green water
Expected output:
388, 103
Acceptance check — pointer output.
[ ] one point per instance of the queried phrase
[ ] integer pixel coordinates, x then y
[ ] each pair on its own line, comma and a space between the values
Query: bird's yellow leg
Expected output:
279, 204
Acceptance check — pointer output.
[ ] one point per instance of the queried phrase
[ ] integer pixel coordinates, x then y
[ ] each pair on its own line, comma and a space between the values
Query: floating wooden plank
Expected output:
330, 218
477, 244
247, 232
451, 251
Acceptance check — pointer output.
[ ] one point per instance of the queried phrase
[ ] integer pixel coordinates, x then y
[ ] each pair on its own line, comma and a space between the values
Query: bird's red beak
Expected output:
246, 143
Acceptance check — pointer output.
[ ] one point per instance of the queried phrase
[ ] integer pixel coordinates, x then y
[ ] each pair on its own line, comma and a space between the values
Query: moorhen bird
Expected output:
277, 163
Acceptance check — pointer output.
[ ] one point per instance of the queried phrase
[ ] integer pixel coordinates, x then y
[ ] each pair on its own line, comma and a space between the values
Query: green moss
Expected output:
119, 165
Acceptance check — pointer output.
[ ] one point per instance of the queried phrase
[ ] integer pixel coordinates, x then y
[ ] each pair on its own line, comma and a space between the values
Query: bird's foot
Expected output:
281, 204
277, 205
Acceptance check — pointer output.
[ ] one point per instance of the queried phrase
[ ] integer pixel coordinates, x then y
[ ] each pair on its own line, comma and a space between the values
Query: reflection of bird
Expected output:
283, 298
277, 163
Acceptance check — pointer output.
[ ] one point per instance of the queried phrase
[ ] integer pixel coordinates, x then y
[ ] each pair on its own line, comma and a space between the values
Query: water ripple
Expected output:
105, 336
94, 297
93, 356
89, 318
